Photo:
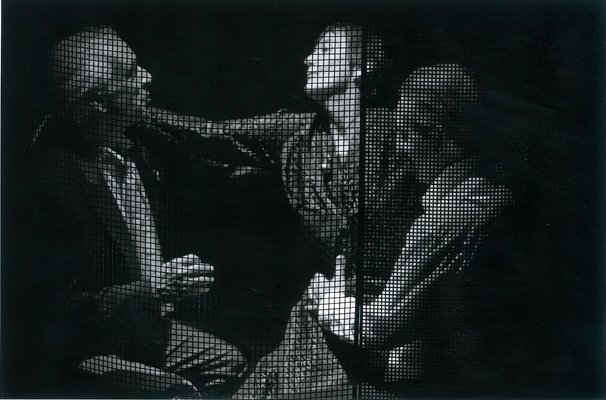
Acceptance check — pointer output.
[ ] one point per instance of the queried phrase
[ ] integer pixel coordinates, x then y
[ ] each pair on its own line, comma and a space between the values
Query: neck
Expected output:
109, 134
430, 173
343, 107
344, 113
431, 164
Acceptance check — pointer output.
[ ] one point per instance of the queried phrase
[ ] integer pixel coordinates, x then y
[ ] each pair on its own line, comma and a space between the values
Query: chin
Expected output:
317, 93
310, 89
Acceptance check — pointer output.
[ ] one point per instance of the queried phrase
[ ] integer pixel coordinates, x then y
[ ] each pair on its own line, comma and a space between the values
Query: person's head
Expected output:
99, 83
439, 112
335, 65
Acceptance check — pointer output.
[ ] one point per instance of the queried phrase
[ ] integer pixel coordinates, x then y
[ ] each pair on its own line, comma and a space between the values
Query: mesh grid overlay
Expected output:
398, 204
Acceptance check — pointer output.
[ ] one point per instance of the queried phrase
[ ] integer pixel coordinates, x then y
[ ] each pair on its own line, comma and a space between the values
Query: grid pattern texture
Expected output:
396, 203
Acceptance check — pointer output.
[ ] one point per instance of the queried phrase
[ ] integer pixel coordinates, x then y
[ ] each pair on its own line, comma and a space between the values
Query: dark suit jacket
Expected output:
101, 306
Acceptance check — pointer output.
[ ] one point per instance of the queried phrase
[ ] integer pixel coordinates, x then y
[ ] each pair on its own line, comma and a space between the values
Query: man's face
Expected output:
128, 82
329, 66
423, 142
125, 95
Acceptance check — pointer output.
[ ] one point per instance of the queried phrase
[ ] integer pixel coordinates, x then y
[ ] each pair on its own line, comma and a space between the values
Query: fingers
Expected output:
188, 265
196, 281
340, 270
336, 313
345, 333
180, 262
196, 285
189, 286
198, 270
317, 284
188, 259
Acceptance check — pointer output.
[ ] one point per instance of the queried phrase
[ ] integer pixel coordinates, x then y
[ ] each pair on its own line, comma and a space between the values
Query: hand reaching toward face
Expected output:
184, 277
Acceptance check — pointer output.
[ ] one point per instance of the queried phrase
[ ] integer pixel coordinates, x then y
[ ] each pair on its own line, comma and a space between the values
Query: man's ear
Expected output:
86, 109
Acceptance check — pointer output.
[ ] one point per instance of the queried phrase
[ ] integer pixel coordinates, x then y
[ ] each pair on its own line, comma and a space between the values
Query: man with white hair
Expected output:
121, 289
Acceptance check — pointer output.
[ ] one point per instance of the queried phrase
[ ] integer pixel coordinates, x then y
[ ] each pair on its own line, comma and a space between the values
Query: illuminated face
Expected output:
329, 68
128, 82
125, 95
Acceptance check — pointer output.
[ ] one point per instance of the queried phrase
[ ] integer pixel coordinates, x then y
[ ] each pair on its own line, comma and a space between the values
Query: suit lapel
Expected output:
100, 197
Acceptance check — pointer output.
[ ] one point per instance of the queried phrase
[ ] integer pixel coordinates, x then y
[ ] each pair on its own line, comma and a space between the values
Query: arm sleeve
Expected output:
65, 232
110, 300
423, 290
254, 141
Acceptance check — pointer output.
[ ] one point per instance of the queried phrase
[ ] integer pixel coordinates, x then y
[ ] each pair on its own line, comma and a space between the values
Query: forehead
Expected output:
112, 48
333, 39
113, 51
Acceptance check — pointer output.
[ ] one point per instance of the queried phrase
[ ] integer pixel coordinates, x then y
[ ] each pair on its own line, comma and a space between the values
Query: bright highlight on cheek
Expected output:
328, 66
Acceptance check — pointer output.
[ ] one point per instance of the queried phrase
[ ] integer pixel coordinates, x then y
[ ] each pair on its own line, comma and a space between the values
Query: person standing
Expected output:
324, 167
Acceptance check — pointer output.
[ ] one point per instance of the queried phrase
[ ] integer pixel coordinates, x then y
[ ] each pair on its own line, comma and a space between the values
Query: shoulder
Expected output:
299, 122
52, 160
304, 127
302, 147
56, 173
380, 128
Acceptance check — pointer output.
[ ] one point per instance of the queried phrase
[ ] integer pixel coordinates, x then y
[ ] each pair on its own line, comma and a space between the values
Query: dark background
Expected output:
543, 64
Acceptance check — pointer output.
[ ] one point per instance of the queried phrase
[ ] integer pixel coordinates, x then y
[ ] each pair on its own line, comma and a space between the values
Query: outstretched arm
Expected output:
254, 140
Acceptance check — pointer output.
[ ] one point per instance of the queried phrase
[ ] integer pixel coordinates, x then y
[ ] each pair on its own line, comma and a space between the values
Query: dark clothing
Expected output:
447, 306
321, 187
104, 305
446, 335
325, 190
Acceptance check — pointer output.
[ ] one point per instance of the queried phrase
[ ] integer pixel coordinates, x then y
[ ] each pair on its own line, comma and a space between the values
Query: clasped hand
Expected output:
336, 312
183, 277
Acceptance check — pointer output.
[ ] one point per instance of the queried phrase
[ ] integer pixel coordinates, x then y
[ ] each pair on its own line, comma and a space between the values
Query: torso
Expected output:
324, 187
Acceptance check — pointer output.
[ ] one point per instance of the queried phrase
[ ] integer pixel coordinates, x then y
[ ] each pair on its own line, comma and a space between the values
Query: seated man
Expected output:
119, 288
